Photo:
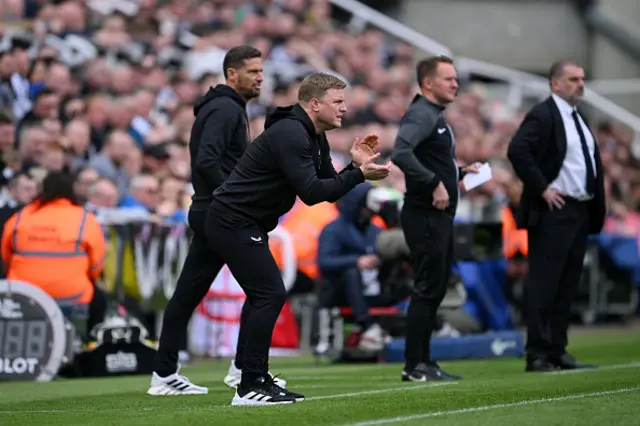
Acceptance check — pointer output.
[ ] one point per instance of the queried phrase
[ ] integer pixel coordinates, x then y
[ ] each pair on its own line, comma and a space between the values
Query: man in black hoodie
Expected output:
219, 137
289, 159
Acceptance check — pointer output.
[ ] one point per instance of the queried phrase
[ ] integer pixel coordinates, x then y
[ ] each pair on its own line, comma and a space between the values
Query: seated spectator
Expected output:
622, 221
103, 203
155, 159
22, 189
57, 245
102, 194
85, 178
53, 158
79, 149
46, 105
349, 266
110, 161
32, 145
7, 139
145, 193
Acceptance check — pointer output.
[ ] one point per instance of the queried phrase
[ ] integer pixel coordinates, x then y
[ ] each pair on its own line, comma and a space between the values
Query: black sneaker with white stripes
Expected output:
424, 372
263, 391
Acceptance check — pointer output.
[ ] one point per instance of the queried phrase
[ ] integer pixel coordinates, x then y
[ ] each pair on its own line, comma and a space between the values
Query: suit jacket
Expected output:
537, 152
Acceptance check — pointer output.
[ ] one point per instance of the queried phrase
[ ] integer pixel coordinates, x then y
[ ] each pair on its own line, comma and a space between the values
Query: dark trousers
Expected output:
338, 288
198, 272
429, 235
97, 308
252, 265
557, 247
246, 252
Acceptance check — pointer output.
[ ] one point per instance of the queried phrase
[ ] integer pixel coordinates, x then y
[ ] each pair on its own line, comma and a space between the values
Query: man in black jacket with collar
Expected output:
219, 137
425, 152
556, 156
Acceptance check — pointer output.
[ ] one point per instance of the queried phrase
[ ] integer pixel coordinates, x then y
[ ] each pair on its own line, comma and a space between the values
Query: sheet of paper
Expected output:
473, 180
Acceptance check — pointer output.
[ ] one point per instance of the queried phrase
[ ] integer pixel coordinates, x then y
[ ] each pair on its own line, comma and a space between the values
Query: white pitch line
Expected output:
376, 391
336, 378
634, 364
217, 407
496, 406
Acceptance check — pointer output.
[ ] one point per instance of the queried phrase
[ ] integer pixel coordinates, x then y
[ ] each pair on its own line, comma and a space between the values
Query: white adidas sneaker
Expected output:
174, 384
234, 375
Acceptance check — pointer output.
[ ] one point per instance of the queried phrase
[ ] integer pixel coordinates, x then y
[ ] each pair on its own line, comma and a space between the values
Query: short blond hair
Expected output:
316, 86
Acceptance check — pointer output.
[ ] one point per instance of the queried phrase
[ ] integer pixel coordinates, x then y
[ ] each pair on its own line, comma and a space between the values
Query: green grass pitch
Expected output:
493, 392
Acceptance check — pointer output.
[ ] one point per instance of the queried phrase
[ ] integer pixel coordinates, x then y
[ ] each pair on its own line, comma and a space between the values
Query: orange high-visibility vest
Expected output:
58, 247
514, 240
305, 223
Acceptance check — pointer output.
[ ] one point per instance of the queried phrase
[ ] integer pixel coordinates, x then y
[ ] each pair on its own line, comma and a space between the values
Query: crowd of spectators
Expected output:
105, 90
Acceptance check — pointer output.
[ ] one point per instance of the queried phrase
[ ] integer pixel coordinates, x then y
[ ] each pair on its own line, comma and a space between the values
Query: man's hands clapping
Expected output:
363, 153
373, 171
364, 148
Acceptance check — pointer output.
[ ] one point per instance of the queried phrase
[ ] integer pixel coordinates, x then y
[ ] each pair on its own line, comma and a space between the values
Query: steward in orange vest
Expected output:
55, 244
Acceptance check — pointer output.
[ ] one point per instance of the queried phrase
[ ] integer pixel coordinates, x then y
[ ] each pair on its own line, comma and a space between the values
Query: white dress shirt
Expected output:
572, 178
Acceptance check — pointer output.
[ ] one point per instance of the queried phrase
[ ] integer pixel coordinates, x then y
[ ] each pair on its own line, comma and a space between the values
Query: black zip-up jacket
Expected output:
219, 137
425, 152
288, 159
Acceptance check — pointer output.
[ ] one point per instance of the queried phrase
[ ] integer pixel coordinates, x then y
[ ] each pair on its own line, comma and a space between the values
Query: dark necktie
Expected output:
591, 176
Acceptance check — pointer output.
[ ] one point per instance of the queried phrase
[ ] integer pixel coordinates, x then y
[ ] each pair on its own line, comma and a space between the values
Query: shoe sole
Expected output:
240, 402
166, 391
425, 379
407, 378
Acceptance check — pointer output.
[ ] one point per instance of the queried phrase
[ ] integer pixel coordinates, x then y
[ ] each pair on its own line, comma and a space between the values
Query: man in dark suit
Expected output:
556, 156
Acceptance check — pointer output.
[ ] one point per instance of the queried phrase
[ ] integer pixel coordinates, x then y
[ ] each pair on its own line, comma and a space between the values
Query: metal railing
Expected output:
520, 80
144, 259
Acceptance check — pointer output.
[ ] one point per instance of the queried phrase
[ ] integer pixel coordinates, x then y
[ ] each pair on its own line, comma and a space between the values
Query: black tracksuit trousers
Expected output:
198, 272
246, 252
429, 235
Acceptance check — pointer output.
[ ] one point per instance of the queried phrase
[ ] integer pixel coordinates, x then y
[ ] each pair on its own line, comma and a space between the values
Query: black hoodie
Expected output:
219, 137
288, 159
